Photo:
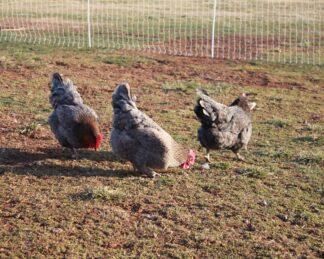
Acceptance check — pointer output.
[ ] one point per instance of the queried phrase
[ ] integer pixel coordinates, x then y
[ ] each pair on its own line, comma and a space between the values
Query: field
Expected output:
53, 206
285, 31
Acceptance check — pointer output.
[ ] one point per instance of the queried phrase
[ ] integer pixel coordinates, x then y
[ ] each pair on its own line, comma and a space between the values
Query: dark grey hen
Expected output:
74, 124
137, 138
222, 126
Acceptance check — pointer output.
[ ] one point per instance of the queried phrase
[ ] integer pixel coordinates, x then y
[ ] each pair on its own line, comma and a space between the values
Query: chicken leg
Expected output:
207, 156
145, 170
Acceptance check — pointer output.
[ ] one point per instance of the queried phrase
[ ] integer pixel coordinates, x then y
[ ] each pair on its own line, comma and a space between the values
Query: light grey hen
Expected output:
222, 126
74, 124
137, 138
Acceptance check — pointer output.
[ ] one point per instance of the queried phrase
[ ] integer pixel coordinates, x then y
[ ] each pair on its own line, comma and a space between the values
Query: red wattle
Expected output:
98, 140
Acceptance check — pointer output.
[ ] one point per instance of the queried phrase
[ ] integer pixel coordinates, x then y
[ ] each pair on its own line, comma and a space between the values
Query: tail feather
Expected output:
207, 109
123, 99
242, 102
63, 93
56, 80
205, 117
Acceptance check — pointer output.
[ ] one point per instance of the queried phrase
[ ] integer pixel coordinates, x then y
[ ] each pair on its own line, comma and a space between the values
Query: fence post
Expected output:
213, 30
89, 24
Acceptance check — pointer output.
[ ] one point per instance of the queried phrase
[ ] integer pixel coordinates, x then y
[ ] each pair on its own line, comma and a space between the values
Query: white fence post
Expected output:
213, 31
89, 24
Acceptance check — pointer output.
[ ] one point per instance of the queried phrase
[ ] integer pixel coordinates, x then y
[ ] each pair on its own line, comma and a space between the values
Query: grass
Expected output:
31, 129
101, 193
277, 123
310, 158
179, 87
288, 32
124, 61
52, 206
311, 140
252, 172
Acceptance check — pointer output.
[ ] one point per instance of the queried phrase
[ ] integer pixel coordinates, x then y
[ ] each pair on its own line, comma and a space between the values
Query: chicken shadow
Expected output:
66, 154
67, 171
15, 156
22, 162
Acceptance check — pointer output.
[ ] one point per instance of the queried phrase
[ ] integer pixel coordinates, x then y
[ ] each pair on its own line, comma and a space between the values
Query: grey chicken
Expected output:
74, 124
137, 138
222, 126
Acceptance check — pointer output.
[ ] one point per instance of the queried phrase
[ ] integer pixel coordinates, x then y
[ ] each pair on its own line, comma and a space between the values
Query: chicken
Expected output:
74, 124
224, 127
137, 138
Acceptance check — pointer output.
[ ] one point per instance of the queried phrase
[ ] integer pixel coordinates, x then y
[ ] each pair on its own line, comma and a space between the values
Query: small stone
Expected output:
57, 230
136, 207
150, 217
263, 203
217, 214
38, 163
250, 227
205, 166
283, 217
314, 209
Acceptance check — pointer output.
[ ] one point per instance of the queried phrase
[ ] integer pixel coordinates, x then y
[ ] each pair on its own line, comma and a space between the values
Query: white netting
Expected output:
289, 31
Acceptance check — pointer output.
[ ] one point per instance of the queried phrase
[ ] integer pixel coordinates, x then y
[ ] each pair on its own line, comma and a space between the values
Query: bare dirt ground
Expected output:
51, 205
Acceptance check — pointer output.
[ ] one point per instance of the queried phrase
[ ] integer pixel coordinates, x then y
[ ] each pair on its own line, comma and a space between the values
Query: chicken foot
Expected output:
240, 157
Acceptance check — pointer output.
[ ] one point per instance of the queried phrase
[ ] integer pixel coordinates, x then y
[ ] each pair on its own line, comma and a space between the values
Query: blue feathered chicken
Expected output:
135, 137
222, 126
74, 124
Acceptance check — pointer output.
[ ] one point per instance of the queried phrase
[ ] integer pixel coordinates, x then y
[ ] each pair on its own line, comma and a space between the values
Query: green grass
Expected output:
128, 61
180, 28
101, 193
310, 158
252, 172
179, 86
53, 206
32, 128
277, 123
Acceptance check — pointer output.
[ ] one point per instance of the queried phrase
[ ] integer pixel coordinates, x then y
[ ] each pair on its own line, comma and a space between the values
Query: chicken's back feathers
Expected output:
63, 93
75, 126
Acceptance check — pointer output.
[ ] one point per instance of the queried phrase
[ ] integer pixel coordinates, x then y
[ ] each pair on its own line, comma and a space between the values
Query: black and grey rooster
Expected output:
222, 126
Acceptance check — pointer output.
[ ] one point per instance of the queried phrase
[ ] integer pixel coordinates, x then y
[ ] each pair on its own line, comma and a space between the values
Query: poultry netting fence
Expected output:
289, 31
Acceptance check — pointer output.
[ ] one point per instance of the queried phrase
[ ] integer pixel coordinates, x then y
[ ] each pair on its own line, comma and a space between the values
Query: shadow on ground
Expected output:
15, 156
70, 171
22, 162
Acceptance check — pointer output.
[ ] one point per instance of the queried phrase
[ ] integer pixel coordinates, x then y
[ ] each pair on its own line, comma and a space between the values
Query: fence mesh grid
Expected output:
289, 31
